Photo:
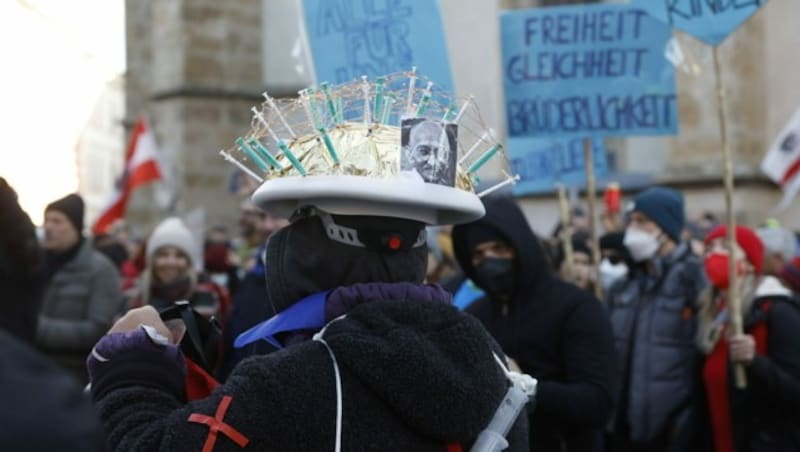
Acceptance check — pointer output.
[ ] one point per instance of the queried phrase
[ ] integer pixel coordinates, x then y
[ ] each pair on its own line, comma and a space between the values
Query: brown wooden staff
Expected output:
591, 194
566, 232
734, 302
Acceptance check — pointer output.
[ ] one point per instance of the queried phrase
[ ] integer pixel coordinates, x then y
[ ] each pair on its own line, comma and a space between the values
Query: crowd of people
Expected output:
654, 364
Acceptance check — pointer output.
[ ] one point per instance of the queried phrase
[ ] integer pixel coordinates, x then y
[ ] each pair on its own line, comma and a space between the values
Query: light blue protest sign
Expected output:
710, 21
351, 38
590, 70
541, 163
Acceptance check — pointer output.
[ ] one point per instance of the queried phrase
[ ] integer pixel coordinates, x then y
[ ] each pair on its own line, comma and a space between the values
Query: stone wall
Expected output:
194, 66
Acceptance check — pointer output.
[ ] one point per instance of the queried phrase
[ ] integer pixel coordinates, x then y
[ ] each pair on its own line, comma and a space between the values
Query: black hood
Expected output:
301, 260
503, 215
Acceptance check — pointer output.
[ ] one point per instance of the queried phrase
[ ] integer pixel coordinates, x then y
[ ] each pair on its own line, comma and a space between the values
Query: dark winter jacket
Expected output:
79, 306
770, 410
250, 307
43, 409
556, 332
22, 275
416, 375
765, 416
653, 316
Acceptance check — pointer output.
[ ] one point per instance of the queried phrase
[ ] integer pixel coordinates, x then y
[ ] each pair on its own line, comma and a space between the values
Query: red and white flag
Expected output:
782, 162
141, 167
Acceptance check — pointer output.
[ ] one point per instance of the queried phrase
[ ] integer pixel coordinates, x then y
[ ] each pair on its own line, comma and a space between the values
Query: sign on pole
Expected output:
709, 21
587, 70
351, 38
544, 163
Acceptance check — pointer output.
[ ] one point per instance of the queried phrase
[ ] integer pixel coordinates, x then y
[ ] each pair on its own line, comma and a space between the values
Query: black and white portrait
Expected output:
429, 149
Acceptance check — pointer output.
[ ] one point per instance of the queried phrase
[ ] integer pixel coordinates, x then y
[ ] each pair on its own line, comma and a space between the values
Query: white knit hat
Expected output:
173, 232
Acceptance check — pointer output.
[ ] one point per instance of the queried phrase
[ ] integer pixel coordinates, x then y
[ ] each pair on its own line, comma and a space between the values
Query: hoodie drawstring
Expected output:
319, 338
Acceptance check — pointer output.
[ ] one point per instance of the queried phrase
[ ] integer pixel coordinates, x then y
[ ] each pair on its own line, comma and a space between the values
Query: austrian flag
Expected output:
782, 162
141, 168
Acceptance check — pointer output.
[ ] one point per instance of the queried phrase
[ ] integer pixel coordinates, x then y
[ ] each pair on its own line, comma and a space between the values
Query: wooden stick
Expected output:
591, 194
566, 234
734, 302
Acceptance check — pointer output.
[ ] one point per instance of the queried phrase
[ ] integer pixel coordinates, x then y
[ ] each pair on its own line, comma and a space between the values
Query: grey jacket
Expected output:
79, 306
654, 322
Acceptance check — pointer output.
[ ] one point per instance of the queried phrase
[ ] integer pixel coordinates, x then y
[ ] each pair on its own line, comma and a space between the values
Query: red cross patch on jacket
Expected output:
216, 424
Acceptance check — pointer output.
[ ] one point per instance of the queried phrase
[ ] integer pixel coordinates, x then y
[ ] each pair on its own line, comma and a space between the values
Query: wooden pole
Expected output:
734, 302
591, 194
566, 232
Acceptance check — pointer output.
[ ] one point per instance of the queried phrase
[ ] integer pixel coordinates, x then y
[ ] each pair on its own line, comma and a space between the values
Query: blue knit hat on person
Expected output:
664, 207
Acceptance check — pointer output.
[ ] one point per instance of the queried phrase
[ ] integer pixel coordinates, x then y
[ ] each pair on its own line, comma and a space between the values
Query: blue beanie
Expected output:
665, 207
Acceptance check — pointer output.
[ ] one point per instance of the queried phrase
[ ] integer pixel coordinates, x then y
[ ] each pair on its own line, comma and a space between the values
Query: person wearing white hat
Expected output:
372, 358
780, 247
173, 286
172, 255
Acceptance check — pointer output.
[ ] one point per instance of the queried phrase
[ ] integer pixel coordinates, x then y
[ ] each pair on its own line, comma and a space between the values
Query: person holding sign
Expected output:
765, 416
652, 313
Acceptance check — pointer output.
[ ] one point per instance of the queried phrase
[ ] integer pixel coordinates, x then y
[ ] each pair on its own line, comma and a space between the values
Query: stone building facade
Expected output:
197, 66
194, 66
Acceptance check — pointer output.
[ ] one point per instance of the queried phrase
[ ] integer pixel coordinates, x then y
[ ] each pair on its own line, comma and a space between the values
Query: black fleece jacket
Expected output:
415, 376
43, 409
766, 414
556, 332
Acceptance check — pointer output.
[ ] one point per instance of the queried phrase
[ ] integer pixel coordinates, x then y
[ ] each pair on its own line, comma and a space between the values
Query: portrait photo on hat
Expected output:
428, 148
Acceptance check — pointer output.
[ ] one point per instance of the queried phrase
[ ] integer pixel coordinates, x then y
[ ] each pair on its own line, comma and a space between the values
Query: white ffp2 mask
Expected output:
611, 273
642, 245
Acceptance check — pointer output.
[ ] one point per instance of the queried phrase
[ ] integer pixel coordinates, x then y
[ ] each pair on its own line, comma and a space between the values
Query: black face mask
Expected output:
496, 276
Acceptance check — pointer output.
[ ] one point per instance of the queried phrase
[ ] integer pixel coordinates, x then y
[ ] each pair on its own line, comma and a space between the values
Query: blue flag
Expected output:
351, 38
590, 70
710, 21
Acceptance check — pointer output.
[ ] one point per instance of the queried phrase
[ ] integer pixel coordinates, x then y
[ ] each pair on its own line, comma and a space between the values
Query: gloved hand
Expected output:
137, 351
145, 315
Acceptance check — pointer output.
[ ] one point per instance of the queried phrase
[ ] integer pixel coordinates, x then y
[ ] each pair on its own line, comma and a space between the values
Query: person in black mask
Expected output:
554, 331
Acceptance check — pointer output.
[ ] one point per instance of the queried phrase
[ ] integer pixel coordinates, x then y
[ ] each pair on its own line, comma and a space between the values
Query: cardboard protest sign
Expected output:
542, 163
351, 38
710, 21
428, 147
590, 70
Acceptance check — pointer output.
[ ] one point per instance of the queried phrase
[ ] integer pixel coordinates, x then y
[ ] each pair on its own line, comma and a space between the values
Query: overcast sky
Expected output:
57, 57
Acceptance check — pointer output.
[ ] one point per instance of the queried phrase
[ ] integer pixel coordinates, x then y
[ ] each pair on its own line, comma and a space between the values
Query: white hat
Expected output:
778, 240
348, 149
358, 195
173, 232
